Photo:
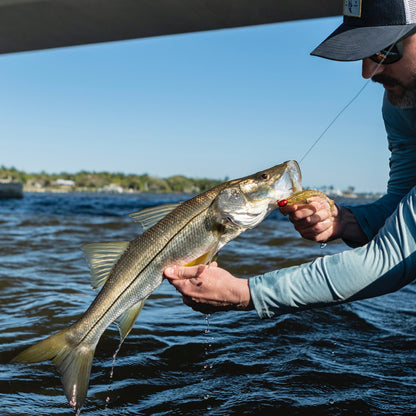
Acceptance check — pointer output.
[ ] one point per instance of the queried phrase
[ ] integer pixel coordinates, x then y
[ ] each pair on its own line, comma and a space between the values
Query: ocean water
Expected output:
353, 359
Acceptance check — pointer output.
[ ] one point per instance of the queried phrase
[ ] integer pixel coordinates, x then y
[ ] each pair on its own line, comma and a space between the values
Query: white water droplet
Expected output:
207, 347
107, 400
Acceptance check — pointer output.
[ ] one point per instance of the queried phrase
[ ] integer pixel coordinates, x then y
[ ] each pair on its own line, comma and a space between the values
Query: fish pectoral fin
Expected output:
73, 362
148, 217
214, 258
204, 259
126, 320
101, 258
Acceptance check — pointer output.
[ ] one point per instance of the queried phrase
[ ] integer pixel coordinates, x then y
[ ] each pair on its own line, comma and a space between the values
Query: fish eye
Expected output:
265, 176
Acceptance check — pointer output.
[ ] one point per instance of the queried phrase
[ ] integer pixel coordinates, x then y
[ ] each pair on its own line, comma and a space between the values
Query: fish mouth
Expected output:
290, 182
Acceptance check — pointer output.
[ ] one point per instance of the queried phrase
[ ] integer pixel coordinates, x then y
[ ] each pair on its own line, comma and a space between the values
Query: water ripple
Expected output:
351, 359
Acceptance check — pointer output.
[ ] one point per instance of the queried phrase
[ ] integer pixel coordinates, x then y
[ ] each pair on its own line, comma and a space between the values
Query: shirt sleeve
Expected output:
382, 266
400, 126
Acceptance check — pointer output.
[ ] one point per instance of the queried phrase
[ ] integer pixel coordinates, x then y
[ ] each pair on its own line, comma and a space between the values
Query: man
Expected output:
381, 33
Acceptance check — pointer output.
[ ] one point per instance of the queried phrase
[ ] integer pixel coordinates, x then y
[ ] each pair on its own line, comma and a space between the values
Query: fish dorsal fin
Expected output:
101, 258
148, 217
127, 319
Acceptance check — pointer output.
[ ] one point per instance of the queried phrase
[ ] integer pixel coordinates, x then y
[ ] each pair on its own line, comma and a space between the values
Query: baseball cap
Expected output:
368, 27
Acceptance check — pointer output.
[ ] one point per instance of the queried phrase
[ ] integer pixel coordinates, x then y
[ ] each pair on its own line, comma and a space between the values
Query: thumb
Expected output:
288, 209
181, 272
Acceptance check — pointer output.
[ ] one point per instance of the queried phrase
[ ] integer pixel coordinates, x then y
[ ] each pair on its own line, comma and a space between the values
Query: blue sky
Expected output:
212, 104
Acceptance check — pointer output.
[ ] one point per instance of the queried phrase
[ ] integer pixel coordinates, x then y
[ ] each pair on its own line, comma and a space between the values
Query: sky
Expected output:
216, 104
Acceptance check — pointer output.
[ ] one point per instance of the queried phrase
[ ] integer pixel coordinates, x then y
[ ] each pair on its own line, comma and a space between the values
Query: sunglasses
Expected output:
389, 55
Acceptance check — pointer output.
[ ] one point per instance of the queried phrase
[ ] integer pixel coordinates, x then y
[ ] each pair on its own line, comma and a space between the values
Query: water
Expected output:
356, 359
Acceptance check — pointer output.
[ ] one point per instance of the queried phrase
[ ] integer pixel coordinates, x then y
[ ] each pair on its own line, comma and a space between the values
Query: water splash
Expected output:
207, 321
208, 345
208, 342
107, 400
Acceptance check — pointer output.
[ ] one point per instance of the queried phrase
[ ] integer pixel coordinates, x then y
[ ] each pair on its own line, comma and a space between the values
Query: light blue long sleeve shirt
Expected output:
401, 134
385, 264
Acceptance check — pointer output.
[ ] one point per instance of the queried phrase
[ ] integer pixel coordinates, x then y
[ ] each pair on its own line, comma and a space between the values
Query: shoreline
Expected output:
62, 190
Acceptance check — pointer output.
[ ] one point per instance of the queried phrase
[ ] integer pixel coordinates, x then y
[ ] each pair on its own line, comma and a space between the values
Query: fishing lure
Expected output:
303, 197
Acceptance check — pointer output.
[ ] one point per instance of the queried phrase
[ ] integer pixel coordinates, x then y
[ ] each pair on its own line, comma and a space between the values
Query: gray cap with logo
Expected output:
368, 27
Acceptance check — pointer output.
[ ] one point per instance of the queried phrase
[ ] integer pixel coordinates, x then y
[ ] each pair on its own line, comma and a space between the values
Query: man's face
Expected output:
399, 78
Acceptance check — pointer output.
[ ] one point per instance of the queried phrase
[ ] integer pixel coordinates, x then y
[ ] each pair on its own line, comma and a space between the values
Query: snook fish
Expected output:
187, 233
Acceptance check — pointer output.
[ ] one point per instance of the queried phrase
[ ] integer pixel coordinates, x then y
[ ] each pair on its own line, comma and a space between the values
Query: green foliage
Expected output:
95, 181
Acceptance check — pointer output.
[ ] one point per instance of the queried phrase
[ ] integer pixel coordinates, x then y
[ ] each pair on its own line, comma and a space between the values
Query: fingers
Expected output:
319, 232
203, 307
186, 279
181, 272
209, 289
190, 283
288, 209
314, 220
187, 272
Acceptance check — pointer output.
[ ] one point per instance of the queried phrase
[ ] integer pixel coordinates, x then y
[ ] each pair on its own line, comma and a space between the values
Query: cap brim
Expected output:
352, 43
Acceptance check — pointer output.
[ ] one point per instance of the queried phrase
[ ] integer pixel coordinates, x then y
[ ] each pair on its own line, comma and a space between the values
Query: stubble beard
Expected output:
402, 97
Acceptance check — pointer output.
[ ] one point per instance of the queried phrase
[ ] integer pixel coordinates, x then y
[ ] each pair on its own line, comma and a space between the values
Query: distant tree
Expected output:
179, 183
349, 190
95, 180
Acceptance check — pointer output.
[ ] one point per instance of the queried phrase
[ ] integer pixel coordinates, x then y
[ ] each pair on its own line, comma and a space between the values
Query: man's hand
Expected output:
317, 221
314, 219
210, 289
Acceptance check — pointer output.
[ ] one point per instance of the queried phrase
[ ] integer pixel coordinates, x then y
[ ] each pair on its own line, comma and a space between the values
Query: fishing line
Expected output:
349, 102
337, 116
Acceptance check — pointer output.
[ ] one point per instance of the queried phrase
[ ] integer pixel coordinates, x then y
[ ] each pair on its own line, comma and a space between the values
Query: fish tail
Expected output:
72, 361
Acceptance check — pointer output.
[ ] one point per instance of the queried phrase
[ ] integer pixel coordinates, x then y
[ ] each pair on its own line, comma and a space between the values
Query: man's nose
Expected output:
370, 68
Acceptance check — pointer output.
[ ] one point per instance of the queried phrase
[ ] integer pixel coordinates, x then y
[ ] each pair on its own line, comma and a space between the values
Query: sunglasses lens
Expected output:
387, 56
377, 57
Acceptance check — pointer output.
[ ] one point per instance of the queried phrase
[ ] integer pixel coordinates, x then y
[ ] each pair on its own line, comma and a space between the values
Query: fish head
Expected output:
247, 201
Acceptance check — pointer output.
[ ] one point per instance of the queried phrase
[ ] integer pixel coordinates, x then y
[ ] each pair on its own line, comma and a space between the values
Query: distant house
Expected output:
64, 182
112, 188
